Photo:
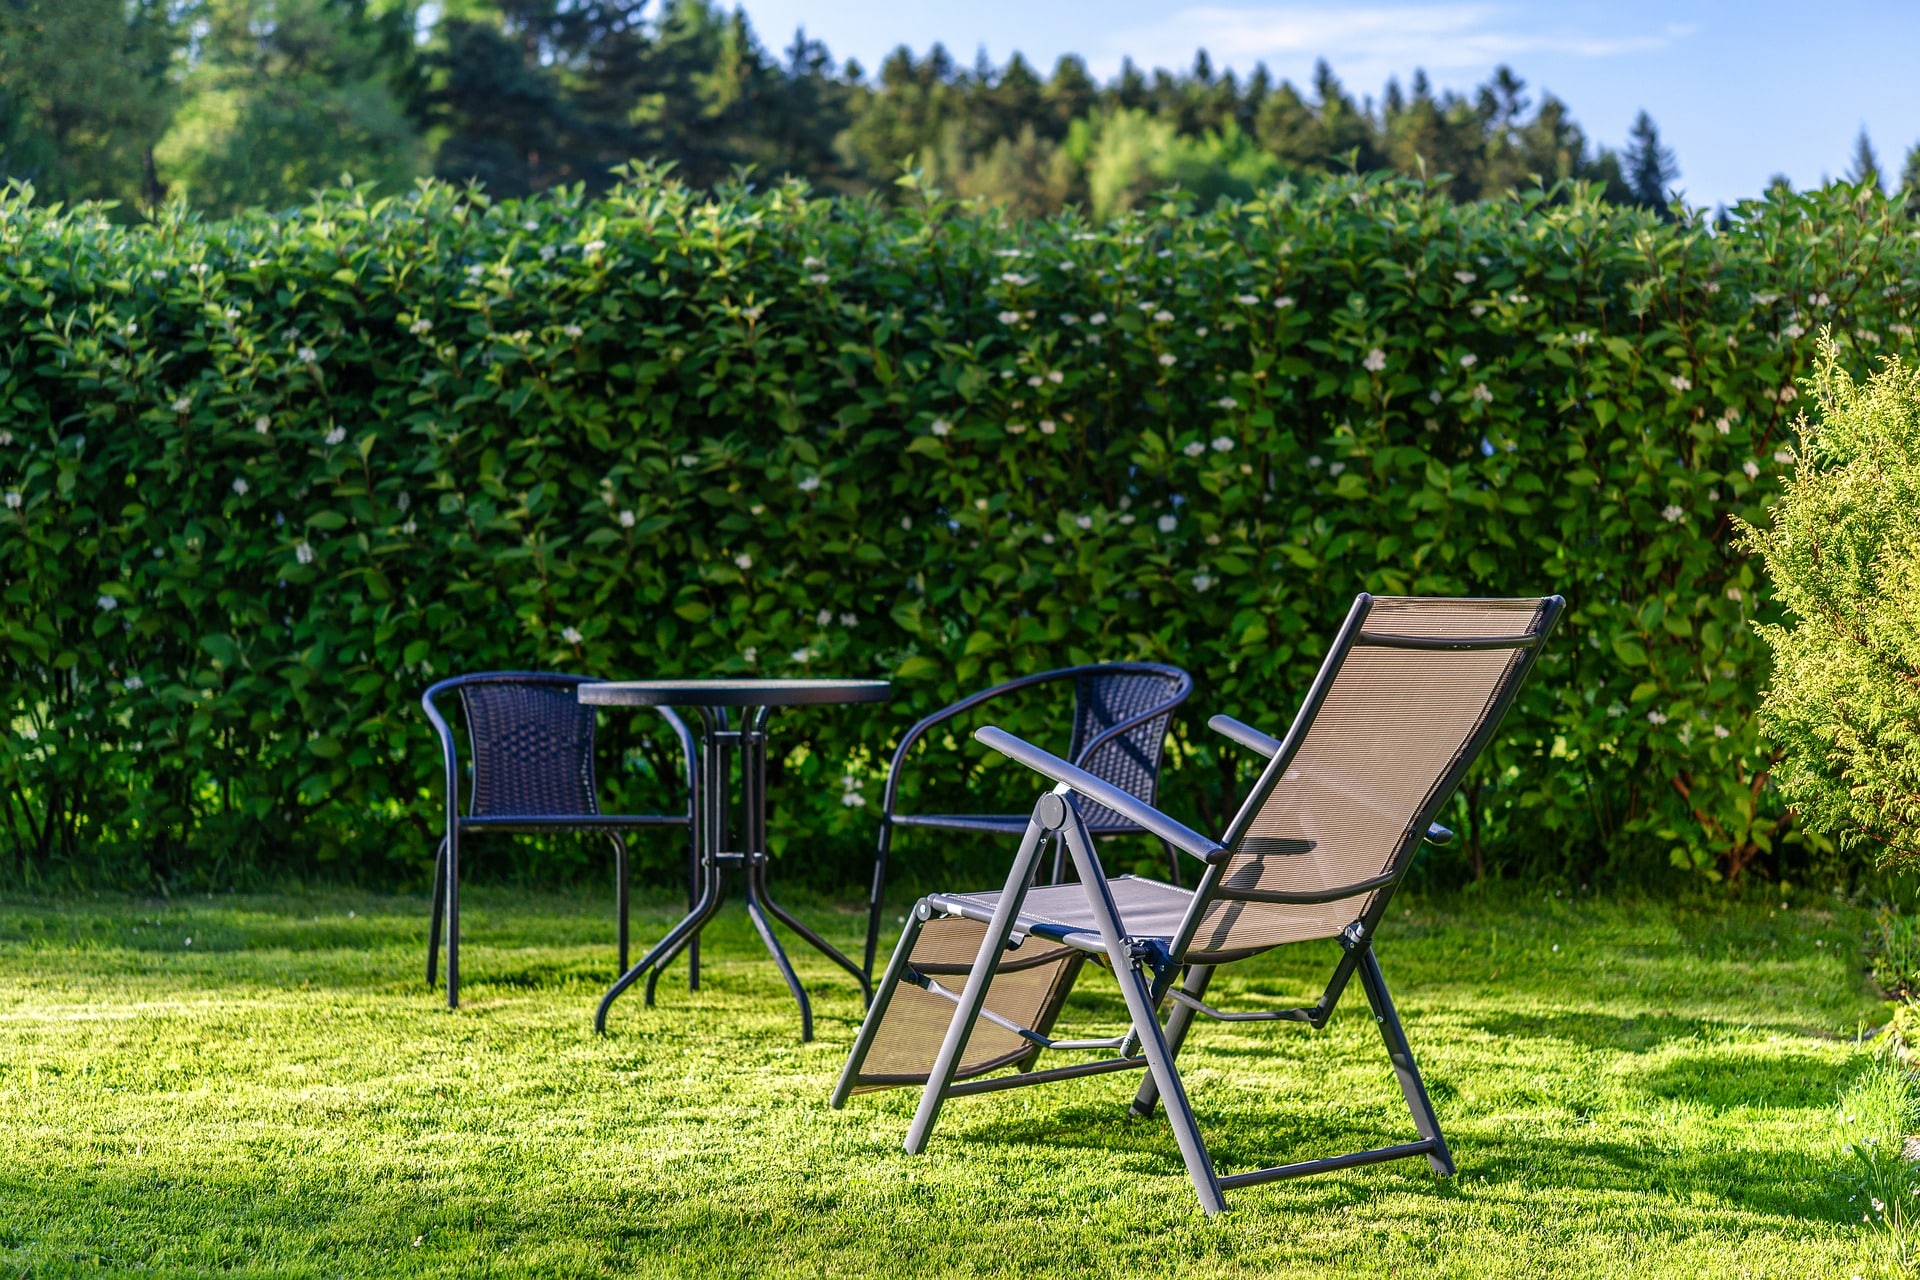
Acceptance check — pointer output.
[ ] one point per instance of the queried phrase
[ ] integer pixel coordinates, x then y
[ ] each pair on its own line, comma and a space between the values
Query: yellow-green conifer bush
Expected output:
1843, 551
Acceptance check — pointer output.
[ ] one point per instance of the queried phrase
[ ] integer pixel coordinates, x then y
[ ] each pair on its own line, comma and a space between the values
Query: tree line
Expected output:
236, 103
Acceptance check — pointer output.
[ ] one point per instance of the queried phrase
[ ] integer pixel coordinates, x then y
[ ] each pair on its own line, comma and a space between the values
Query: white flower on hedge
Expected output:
303, 552
749, 655
1481, 393
1098, 317
420, 327
940, 426
1008, 317
819, 277
1015, 279
1616, 710
1752, 469
1227, 402
1477, 310
107, 604
1336, 468
849, 619
571, 635
1046, 426
1465, 277
573, 331
183, 404
1202, 581
547, 252
1222, 444
1656, 718
1783, 455
1016, 428
807, 484
1168, 523
1723, 425
1056, 377
6, 438
811, 262
1681, 382
1672, 513
1376, 361
1786, 394
1721, 731
1248, 300
744, 560
1194, 449
159, 274
802, 655
1734, 594
240, 485
132, 328
133, 684
1283, 302
1168, 359
593, 246
232, 313
626, 519
1084, 522
529, 225
1469, 360
1581, 339
1034, 380
336, 436
1163, 316
14, 499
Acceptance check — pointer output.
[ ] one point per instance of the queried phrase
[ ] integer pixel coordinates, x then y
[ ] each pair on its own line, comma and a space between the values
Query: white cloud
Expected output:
1366, 44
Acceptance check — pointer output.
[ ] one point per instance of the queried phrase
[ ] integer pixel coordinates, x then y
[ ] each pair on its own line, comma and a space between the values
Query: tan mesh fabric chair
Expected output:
1409, 694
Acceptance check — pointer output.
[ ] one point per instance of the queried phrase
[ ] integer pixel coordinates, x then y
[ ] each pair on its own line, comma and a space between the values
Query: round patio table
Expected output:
720, 843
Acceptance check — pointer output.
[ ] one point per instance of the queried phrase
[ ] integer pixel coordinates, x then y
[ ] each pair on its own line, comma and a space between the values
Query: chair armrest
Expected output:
449, 757
1246, 735
1125, 803
912, 736
1438, 835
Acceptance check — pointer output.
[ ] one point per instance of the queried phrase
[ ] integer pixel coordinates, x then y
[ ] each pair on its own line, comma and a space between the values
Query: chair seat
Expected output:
1060, 912
578, 821
1009, 822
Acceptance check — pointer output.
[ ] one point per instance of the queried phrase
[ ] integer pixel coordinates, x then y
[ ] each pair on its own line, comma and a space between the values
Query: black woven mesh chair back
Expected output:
531, 744
1129, 760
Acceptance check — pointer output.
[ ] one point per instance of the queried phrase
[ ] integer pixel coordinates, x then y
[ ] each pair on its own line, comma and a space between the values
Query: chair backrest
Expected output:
1105, 697
1410, 692
531, 744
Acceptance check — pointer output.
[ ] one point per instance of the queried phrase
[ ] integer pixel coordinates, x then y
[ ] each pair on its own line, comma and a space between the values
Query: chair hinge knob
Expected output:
1050, 812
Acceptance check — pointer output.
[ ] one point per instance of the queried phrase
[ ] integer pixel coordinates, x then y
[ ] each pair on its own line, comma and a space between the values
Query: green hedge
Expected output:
265, 479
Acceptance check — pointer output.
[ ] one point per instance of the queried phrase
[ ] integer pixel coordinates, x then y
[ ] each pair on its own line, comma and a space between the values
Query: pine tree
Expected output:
1649, 168
1866, 165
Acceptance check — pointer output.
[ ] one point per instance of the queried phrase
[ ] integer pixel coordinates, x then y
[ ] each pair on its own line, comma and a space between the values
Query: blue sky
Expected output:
1741, 91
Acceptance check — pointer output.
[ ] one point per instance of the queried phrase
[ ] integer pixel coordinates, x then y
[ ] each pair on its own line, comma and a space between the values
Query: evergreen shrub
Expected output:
266, 478
1842, 553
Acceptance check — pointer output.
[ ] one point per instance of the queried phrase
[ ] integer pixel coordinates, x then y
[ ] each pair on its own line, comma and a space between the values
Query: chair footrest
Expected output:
1327, 1165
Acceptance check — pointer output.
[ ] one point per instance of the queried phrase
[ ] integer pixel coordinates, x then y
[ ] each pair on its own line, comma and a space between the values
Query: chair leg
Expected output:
1138, 993
439, 907
620, 890
875, 893
1160, 1069
453, 918
1424, 1121
1178, 1023
974, 995
693, 902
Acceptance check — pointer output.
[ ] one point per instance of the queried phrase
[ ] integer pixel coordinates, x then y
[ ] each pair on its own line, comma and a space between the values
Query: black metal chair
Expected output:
531, 747
1120, 715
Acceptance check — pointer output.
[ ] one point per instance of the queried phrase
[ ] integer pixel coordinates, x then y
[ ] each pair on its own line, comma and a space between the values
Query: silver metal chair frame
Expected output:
1155, 968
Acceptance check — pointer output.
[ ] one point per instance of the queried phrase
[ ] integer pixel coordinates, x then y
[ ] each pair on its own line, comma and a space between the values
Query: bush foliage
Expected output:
1842, 554
266, 478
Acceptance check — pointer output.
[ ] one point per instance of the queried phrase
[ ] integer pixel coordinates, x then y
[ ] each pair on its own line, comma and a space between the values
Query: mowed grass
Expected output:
1630, 1089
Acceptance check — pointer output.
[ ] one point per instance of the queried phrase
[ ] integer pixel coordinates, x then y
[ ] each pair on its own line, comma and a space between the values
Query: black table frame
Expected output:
720, 738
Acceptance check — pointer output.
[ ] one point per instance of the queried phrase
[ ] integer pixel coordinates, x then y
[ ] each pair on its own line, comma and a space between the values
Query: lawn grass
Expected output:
1630, 1089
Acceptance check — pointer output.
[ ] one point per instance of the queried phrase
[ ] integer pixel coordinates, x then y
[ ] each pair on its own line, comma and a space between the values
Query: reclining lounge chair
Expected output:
1410, 692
